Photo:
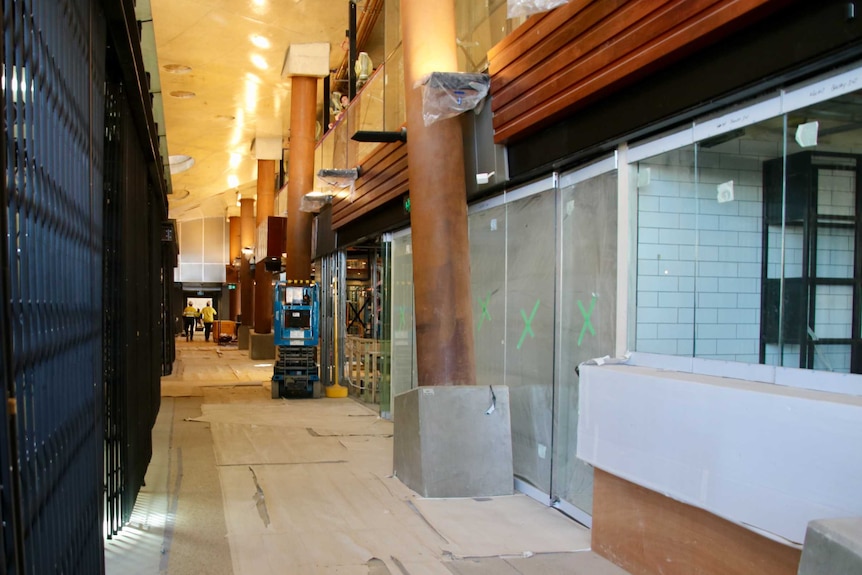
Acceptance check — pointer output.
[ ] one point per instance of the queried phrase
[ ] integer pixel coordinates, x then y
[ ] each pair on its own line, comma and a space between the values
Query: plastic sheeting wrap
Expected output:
516, 8
314, 203
342, 179
447, 94
338, 178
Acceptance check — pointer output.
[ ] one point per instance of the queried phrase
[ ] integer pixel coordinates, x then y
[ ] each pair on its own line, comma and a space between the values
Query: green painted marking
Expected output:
527, 322
401, 312
588, 324
485, 313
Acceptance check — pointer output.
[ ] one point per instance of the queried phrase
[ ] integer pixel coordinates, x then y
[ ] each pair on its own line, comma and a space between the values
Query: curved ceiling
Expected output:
219, 69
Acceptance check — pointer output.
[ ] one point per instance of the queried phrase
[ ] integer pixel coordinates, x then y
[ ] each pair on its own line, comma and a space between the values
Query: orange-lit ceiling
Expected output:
220, 86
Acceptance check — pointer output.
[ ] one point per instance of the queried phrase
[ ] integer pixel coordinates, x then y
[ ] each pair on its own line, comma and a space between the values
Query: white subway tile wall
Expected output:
700, 259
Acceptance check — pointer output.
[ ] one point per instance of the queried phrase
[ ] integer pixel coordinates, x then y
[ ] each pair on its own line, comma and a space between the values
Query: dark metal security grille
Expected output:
133, 304
53, 77
115, 396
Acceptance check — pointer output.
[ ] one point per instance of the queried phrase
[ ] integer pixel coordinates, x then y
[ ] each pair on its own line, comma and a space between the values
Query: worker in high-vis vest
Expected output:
208, 315
190, 315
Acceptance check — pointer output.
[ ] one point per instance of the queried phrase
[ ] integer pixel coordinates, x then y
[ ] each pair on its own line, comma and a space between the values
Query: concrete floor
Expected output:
245, 485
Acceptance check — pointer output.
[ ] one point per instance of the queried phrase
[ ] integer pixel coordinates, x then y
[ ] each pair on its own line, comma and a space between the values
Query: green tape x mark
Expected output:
588, 324
527, 322
485, 313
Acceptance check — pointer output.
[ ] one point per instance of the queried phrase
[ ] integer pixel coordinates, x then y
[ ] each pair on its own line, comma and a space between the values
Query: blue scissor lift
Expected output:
296, 329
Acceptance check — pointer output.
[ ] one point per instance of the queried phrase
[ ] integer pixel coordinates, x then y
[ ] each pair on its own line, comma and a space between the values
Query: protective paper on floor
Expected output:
284, 432
307, 488
208, 365
495, 526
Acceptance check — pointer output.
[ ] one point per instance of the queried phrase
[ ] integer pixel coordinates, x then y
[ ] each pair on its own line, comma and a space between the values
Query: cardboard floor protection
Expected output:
307, 488
494, 526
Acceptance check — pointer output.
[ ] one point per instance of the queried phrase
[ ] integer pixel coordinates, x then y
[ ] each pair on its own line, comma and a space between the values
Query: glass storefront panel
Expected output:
488, 285
729, 215
666, 252
587, 319
530, 315
760, 222
327, 272
403, 370
386, 325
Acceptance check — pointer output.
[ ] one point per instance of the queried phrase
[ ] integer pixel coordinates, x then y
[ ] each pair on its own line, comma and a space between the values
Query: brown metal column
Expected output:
263, 278
300, 171
438, 205
235, 247
246, 214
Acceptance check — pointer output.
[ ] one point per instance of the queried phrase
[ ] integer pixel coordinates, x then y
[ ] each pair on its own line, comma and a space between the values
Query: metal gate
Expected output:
84, 287
53, 78
132, 293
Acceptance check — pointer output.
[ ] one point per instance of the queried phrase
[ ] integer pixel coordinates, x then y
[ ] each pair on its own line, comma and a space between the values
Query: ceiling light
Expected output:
260, 41
177, 68
180, 163
251, 97
232, 181
259, 61
235, 160
183, 94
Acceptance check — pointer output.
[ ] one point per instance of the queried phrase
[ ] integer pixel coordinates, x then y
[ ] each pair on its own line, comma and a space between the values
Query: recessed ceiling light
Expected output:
177, 68
180, 163
260, 41
259, 61
183, 94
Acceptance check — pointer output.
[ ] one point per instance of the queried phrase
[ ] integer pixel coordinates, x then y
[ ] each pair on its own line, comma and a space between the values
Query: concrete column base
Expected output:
832, 547
448, 445
261, 346
242, 333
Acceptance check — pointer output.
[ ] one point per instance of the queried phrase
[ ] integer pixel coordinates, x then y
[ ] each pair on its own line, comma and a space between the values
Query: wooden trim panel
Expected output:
563, 60
384, 178
647, 533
